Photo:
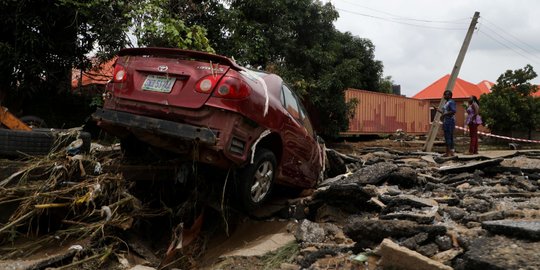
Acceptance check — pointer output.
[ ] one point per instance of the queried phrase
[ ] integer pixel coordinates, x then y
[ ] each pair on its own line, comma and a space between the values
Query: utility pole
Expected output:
451, 82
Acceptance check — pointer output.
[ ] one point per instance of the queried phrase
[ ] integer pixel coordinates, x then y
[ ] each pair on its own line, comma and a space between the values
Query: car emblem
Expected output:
162, 68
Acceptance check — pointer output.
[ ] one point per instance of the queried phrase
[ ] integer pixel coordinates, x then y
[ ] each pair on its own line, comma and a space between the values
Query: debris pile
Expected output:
378, 208
65, 211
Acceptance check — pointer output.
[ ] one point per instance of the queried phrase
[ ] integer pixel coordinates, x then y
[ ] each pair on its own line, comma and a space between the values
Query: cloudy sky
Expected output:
418, 41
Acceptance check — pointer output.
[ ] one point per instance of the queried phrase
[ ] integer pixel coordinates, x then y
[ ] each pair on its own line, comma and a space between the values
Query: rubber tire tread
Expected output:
15, 142
245, 179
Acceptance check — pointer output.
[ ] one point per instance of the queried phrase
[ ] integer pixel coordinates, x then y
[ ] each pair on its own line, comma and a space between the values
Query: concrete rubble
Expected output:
378, 208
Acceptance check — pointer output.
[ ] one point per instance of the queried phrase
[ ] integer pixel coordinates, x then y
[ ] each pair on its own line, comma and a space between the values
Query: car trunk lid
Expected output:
168, 76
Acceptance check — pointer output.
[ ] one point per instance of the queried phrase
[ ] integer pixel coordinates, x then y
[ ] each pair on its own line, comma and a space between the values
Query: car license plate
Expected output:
158, 83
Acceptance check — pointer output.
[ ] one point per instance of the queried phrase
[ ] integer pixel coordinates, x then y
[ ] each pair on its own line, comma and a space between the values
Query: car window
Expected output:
293, 105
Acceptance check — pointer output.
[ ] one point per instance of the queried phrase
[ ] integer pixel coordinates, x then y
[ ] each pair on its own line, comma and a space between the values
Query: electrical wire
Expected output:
399, 17
509, 34
396, 21
528, 52
506, 46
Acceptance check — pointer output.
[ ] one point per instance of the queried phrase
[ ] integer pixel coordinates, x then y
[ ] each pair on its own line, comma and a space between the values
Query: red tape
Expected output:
500, 137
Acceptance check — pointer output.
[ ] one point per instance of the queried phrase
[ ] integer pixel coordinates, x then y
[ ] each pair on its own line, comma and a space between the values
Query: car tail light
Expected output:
232, 87
120, 74
206, 84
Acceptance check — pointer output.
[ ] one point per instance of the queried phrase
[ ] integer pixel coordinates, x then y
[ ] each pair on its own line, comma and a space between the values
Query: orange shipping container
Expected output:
379, 113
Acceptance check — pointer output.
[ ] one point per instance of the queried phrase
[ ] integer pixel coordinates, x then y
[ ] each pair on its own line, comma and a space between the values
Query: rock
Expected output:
523, 163
336, 165
414, 242
411, 200
526, 229
349, 197
471, 166
372, 174
451, 201
404, 176
428, 250
447, 256
328, 213
477, 205
457, 178
443, 242
500, 253
422, 216
394, 256
309, 232
455, 213
361, 230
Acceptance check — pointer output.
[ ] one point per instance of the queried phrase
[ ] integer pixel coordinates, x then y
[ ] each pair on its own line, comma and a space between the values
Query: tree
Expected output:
510, 106
41, 41
297, 40
158, 23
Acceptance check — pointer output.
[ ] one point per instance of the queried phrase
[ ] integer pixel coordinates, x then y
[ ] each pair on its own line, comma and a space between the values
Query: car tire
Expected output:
17, 142
256, 180
34, 121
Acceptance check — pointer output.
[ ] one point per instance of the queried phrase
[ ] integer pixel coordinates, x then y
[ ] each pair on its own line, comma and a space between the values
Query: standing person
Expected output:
473, 121
449, 122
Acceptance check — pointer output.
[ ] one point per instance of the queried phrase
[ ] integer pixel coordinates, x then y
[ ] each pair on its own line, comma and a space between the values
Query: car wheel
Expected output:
256, 179
20, 142
34, 121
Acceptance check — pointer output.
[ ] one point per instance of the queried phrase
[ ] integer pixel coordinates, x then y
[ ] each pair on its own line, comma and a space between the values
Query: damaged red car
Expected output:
207, 108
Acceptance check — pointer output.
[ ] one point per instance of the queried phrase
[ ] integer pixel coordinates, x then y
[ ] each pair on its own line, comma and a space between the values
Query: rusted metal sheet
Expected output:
379, 113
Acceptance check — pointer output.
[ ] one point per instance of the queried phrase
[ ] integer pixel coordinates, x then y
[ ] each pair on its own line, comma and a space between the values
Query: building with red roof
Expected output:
94, 80
461, 93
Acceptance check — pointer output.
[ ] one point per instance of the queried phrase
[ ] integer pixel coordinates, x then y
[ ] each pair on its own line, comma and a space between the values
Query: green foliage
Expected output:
41, 41
510, 106
297, 40
158, 23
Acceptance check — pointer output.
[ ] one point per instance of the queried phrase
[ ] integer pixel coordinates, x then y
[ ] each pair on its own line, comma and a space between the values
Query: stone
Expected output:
500, 253
394, 256
372, 174
361, 230
471, 166
443, 242
309, 232
526, 229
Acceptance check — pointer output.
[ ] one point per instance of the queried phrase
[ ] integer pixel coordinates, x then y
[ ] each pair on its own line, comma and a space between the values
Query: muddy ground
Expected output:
384, 205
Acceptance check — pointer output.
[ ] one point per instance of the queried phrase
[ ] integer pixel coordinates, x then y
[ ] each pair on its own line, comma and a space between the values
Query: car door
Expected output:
301, 154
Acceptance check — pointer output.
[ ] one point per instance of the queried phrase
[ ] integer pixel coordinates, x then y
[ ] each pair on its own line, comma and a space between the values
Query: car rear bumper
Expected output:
156, 126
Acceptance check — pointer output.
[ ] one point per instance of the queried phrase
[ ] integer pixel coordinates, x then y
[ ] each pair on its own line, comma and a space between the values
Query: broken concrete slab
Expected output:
468, 167
495, 154
500, 253
447, 256
523, 163
421, 216
359, 229
394, 256
406, 199
526, 229
372, 174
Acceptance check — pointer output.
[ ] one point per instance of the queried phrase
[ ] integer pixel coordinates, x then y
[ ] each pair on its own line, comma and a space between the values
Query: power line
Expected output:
399, 17
396, 21
532, 54
509, 34
504, 45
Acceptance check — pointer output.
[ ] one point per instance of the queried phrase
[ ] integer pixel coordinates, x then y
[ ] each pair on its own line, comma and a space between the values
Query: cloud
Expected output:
418, 41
